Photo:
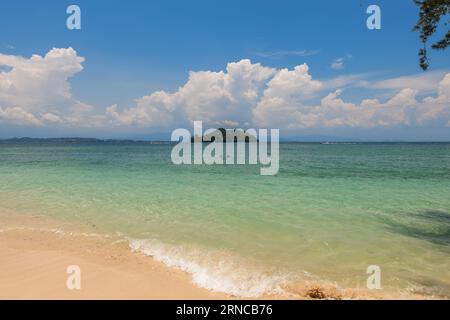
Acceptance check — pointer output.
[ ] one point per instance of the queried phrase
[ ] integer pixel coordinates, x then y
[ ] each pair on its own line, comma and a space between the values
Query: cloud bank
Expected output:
36, 91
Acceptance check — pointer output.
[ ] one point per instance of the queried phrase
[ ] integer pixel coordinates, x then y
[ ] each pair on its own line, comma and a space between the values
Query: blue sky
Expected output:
135, 48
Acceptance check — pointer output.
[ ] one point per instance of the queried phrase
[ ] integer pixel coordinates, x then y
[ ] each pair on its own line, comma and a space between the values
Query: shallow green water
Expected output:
332, 210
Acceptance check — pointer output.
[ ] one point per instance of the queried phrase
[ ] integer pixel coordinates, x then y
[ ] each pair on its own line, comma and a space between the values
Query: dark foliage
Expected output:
431, 13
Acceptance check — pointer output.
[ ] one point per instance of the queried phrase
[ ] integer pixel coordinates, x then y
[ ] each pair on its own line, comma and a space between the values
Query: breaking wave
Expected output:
214, 270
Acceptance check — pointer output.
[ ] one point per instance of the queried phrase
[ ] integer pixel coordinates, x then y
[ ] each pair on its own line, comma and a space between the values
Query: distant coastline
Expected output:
79, 140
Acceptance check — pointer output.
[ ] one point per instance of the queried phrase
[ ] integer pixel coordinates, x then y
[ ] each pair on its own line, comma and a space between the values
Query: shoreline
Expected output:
35, 252
35, 255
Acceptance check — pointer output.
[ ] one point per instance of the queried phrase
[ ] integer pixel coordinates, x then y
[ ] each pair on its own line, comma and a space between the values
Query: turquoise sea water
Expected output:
332, 210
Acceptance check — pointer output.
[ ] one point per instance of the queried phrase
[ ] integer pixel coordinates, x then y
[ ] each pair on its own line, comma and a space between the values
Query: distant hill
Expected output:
75, 140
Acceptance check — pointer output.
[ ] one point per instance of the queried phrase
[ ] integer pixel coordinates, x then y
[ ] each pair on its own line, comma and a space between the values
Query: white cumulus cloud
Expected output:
34, 90
37, 91
213, 97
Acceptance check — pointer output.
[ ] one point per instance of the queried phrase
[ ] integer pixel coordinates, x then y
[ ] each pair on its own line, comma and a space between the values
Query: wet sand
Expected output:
35, 255
36, 251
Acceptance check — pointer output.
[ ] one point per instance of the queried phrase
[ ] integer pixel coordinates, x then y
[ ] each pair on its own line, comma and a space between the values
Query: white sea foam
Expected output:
215, 271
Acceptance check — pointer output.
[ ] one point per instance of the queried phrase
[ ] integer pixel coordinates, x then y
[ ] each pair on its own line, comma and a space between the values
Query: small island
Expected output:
235, 135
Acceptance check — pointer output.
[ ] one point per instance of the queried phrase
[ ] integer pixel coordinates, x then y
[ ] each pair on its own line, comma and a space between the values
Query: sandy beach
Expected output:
35, 254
